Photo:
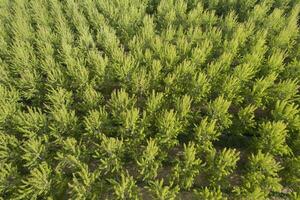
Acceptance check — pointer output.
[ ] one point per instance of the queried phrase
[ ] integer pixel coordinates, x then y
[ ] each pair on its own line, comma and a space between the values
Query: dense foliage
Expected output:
149, 99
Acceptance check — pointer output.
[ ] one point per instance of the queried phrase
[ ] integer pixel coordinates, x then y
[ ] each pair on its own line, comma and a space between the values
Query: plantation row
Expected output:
149, 99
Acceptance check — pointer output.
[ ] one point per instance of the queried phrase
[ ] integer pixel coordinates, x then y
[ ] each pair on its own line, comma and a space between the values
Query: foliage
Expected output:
261, 176
159, 99
162, 192
210, 194
187, 168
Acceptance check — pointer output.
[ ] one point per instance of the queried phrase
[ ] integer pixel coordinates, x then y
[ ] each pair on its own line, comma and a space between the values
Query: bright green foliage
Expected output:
289, 113
149, 163
110, 154
9, 147
254, 194
221, 165
169, 127
261, 177
149, 99
272, 138
246, 117
29, 124
8, 178
294, 196
261, 89
33, 152
84, 185
206, 133
125, 188
291, 173
187, 168
8, 99
162, 192
218, 110
94, 122
210, 194
37, 184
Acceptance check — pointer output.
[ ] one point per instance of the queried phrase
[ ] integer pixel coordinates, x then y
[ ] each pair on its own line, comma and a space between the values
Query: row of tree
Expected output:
119, 99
